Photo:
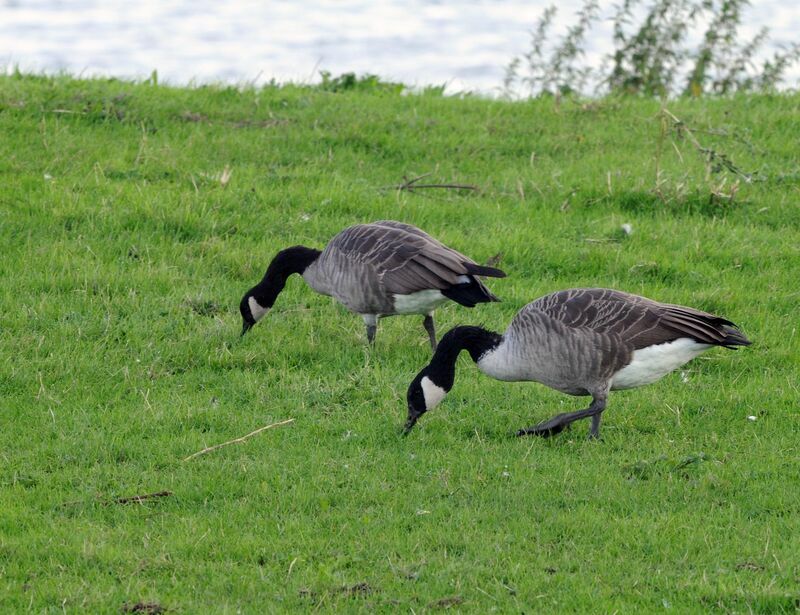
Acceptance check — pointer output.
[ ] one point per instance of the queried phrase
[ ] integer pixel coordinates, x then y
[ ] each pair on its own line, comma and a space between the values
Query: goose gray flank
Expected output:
583, 341
376, 270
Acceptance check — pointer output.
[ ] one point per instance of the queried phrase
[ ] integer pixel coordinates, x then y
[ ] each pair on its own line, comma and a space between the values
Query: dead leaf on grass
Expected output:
226, 176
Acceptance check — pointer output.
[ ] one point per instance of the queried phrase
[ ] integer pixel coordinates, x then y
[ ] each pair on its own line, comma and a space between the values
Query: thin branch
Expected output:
447, 186
710, 154
408, 182
411, 184
237, 440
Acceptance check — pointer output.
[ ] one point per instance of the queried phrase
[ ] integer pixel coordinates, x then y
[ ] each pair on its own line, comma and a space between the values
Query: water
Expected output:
466, 45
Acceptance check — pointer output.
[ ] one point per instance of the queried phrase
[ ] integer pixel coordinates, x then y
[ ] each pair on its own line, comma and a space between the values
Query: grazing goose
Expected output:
375, 270
583, 341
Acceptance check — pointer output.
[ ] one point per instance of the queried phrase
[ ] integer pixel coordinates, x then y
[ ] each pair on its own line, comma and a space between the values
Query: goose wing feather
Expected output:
405, 258
637, 321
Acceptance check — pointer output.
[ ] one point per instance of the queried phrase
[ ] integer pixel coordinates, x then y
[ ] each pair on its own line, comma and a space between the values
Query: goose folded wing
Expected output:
473, 268
422, 271
405, 259
636, 320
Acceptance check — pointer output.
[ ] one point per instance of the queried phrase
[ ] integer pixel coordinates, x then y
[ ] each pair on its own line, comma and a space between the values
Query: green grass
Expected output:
123, 261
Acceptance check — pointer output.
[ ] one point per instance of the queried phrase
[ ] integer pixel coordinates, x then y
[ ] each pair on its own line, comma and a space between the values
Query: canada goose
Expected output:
375, 270
583, 341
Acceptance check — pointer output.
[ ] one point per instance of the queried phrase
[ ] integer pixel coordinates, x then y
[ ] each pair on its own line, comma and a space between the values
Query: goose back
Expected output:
637, 321
366, 265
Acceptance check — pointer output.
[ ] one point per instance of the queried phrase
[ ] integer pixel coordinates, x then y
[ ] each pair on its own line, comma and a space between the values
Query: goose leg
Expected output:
594, 431
431, 329
557, 424
372, 326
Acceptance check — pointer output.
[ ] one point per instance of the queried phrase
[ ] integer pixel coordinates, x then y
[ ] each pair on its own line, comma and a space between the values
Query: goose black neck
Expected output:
475, 340
286, 262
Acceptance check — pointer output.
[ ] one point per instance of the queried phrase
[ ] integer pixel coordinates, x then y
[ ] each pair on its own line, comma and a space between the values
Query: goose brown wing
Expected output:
472, 268
406, 259
636, 320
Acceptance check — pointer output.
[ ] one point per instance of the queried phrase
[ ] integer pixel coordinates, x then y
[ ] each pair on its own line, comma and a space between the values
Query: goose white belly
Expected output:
420, 302
654, 362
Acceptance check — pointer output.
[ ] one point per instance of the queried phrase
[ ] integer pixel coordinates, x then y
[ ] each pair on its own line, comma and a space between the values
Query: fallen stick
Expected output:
407, 182
141, 498
601, 240
413, 187
411, 184
236, 440
126, 500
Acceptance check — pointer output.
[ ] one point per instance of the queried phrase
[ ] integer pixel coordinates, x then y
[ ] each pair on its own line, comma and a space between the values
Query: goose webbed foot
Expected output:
547, 428
558, 423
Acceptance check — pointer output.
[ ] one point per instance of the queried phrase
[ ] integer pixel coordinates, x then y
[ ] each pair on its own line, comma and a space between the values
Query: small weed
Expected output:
203, 307
661, 465
365, 83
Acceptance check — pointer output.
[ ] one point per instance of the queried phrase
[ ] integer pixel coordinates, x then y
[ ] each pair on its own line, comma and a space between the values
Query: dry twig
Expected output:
410, 185
237, 440
711, 155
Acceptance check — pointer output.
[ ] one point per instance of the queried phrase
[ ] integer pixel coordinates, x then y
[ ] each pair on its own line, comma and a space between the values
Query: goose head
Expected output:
258, 301
424, 393
254, 306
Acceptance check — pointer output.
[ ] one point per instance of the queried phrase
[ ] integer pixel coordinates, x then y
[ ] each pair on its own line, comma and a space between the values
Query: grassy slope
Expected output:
123, 260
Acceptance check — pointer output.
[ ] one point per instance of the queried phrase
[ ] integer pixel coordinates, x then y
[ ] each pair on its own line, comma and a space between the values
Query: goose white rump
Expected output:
654, 362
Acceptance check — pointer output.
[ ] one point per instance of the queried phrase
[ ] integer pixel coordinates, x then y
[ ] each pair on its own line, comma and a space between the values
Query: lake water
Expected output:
466, 45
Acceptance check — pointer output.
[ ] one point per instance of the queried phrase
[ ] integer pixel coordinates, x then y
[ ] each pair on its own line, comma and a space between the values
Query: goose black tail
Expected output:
469, 294
489, 272
733, 338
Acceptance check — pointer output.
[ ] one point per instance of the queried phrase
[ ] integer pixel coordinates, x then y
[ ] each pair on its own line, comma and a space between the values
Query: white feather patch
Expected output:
654, 362
433, 394
421, 302
256, 310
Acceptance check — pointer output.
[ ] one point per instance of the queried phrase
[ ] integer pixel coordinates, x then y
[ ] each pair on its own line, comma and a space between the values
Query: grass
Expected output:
124, 257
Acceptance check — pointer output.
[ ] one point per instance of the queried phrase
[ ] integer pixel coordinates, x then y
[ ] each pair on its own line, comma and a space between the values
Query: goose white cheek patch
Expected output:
433, 394
256, 310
